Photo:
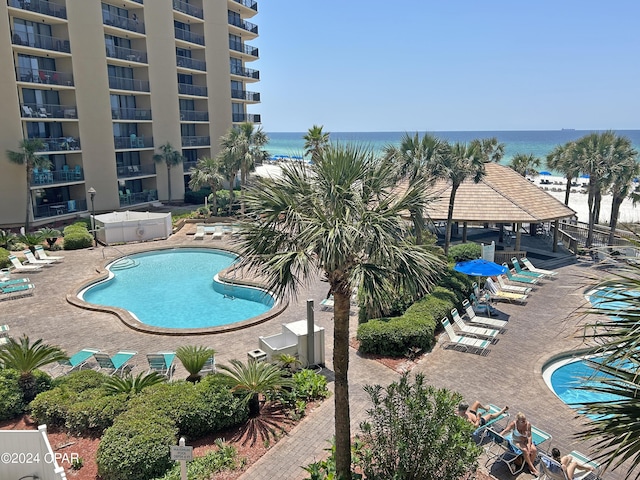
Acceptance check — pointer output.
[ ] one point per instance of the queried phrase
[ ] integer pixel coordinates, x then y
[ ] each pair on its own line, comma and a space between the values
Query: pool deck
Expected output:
510, 374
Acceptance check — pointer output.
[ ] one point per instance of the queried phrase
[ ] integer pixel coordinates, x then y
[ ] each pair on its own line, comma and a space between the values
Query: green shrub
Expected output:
135, 447
203, 468
77, 241
196, 197
51, 407
81, 380
309, 385
4, 258
96, 413
458, 283
464, 251
11, 403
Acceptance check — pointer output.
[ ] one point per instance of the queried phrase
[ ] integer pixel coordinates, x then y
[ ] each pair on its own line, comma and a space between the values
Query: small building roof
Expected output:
502, 196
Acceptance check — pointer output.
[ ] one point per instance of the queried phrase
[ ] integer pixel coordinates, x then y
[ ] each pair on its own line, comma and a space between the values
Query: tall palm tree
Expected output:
229, 167
562, 159
208, 172
171, 157
525, 164
315, 140
622, 173
25, 357
28, 157
341, 216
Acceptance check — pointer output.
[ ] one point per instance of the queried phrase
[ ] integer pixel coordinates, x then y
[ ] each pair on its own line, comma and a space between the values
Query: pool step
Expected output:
124, 264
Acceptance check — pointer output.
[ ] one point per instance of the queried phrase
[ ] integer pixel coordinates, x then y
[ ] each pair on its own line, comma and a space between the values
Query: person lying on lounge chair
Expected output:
569, 464
473, 413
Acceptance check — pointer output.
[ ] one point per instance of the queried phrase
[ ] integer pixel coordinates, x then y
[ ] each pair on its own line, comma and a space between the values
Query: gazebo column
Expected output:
464, 232
518, 228
556, 227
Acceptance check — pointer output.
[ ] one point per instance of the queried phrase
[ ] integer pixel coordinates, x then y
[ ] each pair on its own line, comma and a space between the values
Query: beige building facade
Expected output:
105, 83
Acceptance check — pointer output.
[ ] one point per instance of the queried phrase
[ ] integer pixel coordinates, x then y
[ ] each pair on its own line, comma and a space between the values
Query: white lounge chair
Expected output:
199, 235
481, 332
525, 261
505, 287
31, 258
4, 330
527, 273
466, 343
326, 303
473, 318
19, 267
498, 294
42, 255
217, 233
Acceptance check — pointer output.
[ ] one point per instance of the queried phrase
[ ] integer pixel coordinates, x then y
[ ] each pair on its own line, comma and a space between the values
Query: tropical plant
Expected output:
193, 358
230, 165
208, 172
341, 216
171, 157
525, 164
31, 239
51, 235
254, 379
132, 385
623, 171
413, 433
561, 159
25, 357
315, 140
28, 157
7, 238
288, 362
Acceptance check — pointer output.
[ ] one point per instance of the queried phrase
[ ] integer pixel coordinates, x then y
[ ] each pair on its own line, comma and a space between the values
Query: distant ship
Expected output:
568, 129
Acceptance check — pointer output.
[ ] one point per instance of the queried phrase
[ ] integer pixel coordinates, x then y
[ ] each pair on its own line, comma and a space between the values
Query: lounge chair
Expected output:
3, 341
473, 318
520, 271
482, 303
492, 409
501, 449
552, 470
326, 303
4, 330
199, 235
42, 255
162, 363
525, 261
466, 343
119, 363
19, 267
17, 281
77, 360
480, 332
498, 294
512, 277
32, 260
505, 287
210, 365
16, 291
217, 233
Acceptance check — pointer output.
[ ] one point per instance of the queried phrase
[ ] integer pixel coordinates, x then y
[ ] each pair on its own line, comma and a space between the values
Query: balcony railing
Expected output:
138, 197
187, 62
187, 166
194, 116
132, 141
33, 110
48, 177
40, 6
243, 48
245, 72
60, 208
244, 95
126, 23
131, 114
188, 36
138, 1
189, 89
44, 42
243, 24
196, 141
122, 83
127, 54
51, 77
188, 9
136, 170
60, 144
246, 117
252, 4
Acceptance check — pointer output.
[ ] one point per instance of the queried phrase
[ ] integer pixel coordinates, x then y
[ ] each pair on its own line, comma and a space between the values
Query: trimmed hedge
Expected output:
458, 283
77, 236
11, 402
4, 258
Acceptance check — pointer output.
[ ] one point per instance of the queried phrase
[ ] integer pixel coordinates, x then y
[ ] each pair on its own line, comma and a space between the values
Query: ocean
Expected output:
539, 143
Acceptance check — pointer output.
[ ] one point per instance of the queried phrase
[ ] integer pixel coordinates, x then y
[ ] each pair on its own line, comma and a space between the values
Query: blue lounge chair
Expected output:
77, 360
519, 270
17, 281
162, 363
477, 434
466, 343
518, 278
500, 448
16, 291
474, 331
119, 363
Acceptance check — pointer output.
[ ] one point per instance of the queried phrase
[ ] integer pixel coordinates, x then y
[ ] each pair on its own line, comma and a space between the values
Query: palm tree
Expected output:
31, 239
525, 164
51, 235
341, 216
207, 172
622, 173
230, 165
24, 357
562, 159
315, 141
28, 157
171, 157
193, 358
255, 379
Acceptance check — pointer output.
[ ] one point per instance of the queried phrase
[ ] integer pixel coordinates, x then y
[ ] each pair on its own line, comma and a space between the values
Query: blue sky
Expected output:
435, 65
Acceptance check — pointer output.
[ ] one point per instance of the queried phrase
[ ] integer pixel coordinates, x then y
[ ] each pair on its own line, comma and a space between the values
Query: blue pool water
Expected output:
176, 289
611, 298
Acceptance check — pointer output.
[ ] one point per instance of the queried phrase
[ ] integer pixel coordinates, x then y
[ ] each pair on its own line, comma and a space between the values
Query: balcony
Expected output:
40, 6
130, 198
66, 175
127, 54
192, 63
189, 89
252, 4
60, 144
187, 9
132, 142
187, 36
126, 23
196, 141
42, 111
245, 72
243, 24
245, 117
131, 114
194, 116
243, 48
60, 208
244, 95
122, 83
136, 170
48, 77
44, 42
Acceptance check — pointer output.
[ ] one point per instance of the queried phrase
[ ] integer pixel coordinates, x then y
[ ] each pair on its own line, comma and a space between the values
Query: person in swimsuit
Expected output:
521, 438
569, 464
472, 413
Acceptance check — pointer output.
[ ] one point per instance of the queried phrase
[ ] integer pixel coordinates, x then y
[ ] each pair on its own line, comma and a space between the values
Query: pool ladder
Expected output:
123, 263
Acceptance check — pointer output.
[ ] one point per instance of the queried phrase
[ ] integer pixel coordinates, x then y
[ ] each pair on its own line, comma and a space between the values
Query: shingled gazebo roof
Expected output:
502, 196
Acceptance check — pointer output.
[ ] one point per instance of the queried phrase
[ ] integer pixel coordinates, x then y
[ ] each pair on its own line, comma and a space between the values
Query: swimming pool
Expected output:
612, 297
176, 289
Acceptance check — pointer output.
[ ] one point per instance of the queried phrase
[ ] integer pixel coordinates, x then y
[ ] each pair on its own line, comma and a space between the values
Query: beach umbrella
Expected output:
584, 176
544, 172
479, 268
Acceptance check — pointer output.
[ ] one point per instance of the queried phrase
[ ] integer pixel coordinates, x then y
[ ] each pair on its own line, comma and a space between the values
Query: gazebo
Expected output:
503, 196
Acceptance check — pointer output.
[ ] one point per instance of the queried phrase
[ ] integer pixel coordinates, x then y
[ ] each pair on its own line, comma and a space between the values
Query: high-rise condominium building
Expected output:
104, 84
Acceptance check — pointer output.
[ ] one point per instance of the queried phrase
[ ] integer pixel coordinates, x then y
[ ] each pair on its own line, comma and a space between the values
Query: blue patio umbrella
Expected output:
584, 175
544, 172
479, 268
